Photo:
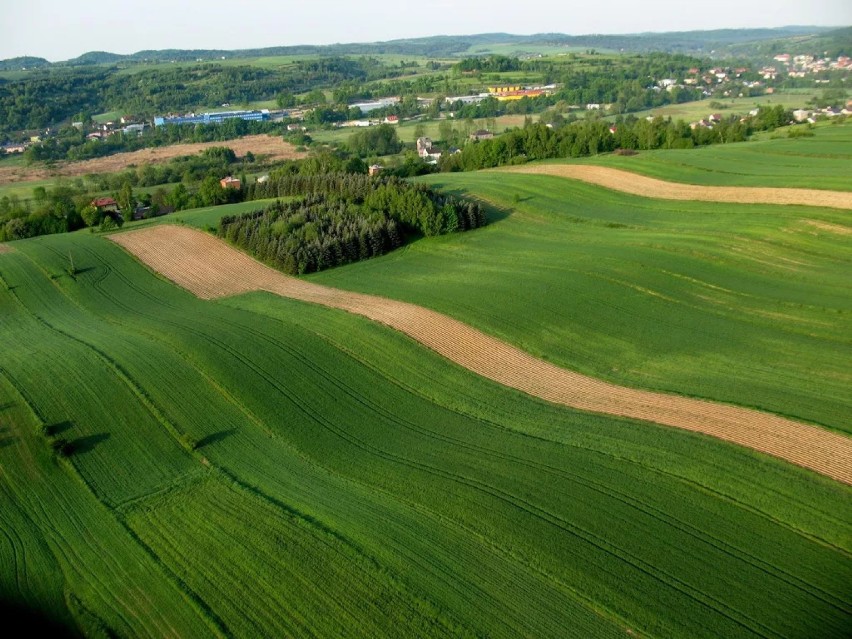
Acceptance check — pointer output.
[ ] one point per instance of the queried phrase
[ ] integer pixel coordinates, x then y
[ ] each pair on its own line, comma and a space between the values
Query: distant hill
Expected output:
718, 42
25, 62
834, 43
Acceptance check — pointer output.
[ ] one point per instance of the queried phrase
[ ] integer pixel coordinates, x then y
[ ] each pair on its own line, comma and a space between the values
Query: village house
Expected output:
375, 169
14, 148
230, 182
482, 134
424, 145
391, 119
130, 129
105, 204
426, 151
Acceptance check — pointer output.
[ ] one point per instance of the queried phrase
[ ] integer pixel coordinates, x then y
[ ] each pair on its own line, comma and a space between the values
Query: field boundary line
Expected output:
644, 186
210, 269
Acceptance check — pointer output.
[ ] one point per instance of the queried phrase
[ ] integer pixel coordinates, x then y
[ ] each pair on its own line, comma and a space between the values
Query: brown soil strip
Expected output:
636, 184
210, 268
5, 248
831, 228
272, 147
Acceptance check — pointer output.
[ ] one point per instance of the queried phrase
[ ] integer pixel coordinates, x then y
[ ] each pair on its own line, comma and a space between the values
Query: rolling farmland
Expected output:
744, 304
251, 464
210, 269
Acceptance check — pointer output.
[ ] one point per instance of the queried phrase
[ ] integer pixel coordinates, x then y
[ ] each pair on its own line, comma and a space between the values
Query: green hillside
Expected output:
818, 162
746, 304
347, 482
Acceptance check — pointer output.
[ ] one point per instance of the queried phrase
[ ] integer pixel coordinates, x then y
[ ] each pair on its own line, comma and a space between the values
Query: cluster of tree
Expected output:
593, 136
189, 169
375, 140
69, 206
491, 64
312, 234
50, 211
415, 206
342, 218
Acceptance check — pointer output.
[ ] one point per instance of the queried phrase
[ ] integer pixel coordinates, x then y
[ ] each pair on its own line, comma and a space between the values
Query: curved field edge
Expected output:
210, 268
643, 186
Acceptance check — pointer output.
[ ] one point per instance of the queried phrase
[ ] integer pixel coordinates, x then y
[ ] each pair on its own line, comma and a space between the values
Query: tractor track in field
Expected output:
210, 268
636, 184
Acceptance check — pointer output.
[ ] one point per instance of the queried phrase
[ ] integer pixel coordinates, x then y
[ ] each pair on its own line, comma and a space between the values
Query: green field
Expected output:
345, 481
746, 304
818, 162
256, 466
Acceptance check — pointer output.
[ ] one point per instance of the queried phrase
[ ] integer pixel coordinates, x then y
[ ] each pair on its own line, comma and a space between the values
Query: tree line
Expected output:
594, 136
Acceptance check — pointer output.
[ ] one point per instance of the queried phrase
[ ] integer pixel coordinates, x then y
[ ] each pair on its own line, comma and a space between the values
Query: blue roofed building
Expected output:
212, 118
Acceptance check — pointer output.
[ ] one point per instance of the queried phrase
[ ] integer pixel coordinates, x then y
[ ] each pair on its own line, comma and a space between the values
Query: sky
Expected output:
59, 31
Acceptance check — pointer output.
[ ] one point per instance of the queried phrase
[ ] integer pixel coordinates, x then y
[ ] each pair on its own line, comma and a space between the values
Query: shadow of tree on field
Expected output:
214, 438
86, 444
6, 439
51, 430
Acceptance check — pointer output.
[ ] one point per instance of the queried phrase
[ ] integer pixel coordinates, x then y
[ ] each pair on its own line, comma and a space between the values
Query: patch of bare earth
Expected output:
270, 146
210, 268
5, 248
636, 184
837, 229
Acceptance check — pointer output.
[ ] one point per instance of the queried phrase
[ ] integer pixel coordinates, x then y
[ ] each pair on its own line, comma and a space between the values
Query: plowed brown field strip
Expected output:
636, 184
273, 147
210, 268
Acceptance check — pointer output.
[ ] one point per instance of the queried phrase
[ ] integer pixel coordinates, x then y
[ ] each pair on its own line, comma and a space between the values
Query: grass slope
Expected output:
819, 162
745, 304
344, 481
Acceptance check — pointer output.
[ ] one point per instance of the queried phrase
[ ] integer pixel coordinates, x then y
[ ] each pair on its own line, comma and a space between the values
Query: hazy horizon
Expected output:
32, 29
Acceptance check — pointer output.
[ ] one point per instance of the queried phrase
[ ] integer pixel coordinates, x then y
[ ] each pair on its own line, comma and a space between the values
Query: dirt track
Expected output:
210, 268
5, 248
636, 184
273, 147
